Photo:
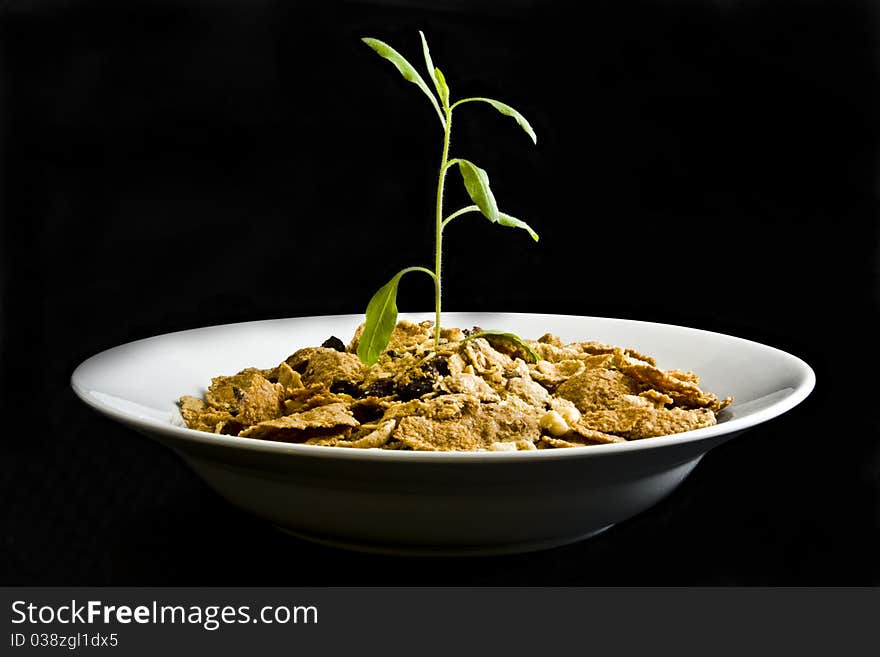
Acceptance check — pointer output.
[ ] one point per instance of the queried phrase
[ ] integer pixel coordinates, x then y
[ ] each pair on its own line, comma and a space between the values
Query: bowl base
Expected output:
444, 550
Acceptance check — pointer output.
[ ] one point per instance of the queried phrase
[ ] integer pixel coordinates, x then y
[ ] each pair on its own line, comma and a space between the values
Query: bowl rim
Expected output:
181, 434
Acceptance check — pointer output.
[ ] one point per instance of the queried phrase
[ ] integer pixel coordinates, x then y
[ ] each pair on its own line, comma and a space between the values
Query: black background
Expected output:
174, 164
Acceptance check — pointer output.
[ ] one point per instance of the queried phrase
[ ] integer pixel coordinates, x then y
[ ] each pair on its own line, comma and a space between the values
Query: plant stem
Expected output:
438, 235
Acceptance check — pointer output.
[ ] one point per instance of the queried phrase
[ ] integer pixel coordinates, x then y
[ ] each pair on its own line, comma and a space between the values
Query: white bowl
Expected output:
435, 502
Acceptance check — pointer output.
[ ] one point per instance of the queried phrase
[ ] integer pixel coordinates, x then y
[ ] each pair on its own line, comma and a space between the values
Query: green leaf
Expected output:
476, 182
506, 220
381, 318
380, 322
442, 87
406, 70
434, 72
531, 354
507, 110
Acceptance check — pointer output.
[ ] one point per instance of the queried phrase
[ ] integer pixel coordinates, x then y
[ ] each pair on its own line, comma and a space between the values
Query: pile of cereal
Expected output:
482, 393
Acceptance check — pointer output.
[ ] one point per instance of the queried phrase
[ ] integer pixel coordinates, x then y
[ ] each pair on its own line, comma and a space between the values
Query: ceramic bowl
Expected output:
436, 502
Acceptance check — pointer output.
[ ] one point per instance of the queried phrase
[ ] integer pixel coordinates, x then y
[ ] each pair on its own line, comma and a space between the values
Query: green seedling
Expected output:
381, 315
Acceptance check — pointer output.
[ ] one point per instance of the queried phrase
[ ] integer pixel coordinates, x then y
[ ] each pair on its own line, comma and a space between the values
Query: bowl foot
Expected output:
444, 550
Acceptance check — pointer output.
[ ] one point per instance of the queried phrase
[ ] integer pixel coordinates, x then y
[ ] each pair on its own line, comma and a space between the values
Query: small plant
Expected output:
381, 315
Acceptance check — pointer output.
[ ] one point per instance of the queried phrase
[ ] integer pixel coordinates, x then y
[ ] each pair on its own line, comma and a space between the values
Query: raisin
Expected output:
346, 388
381, 388
416, 388
333, 343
